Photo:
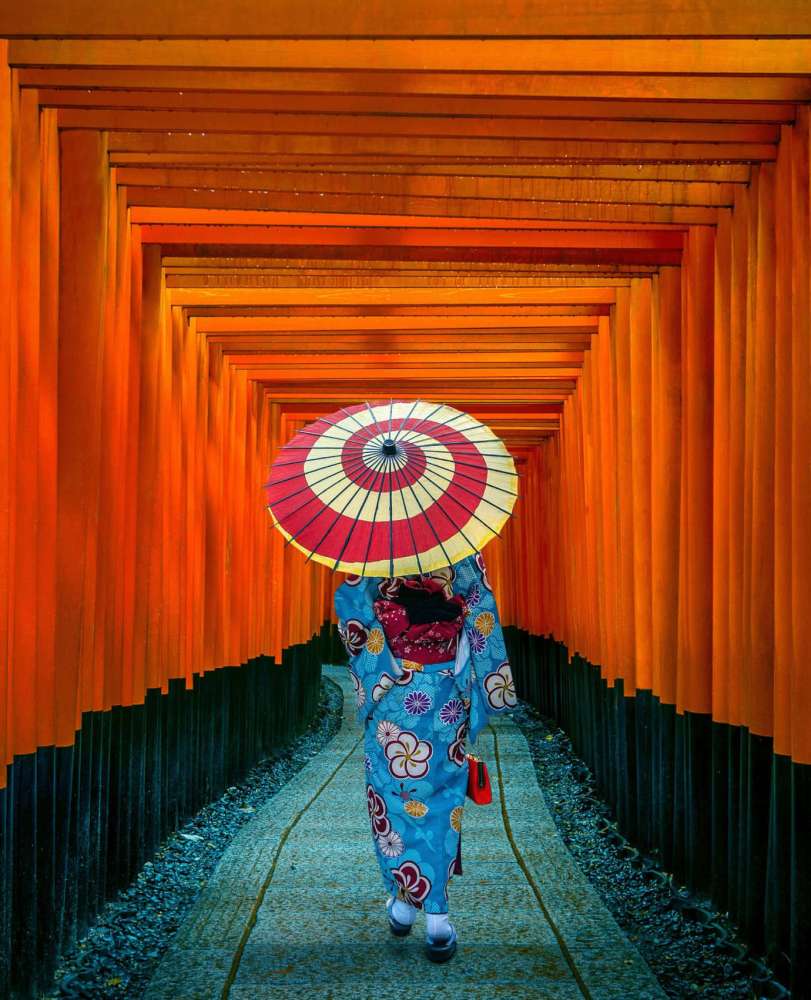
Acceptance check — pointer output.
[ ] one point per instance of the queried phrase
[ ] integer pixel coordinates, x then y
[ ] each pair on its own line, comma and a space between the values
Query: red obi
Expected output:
421, 623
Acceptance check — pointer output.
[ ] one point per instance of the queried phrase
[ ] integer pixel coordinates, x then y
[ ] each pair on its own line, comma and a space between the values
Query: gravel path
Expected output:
295, 908
119, 954
691, 958
692, 948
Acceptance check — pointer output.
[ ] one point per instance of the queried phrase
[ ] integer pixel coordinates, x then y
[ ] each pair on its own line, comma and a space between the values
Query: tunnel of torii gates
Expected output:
587, 227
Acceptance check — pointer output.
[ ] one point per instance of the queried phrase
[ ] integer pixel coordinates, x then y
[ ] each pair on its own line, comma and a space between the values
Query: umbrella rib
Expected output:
443, 493
472, 493
333, 424
358, 487
352, 416
320, 447
437, 436
447, 423
434, 443
405, 420
389, 464
371, 531
389, 467
476, 479
471, 465
410, 525
365, 428
319, 512
357, 516
428, 521
301, 461
465, 488
318, 434
473, 451
428, 416
349, 469
374, 419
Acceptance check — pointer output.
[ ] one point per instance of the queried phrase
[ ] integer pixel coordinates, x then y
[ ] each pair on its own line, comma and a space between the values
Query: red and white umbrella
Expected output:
392, 489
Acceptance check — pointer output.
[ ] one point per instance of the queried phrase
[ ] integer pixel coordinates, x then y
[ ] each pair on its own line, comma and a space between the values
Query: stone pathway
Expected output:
295, 908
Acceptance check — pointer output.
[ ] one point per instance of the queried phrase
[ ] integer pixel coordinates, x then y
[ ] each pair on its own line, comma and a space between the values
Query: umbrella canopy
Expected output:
392, 489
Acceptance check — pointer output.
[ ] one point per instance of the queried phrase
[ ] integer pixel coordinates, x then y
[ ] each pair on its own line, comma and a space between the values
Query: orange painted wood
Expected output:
767, 56
609, 18
800, 449
601, 249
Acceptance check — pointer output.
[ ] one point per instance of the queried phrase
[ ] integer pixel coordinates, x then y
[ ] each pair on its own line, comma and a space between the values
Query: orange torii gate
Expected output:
587, 225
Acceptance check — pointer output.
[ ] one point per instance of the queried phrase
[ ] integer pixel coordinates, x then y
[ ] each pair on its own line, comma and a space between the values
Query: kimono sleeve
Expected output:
491, 679
372, 666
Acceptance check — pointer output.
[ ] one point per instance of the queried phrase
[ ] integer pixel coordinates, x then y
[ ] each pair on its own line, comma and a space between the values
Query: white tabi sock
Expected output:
438, 927
403, 912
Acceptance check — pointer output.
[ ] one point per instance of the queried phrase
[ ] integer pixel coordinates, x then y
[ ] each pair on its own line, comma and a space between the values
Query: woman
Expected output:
429, 665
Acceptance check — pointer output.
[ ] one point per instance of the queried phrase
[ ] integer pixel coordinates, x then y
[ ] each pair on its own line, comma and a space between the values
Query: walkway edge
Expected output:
591, 933
243, 874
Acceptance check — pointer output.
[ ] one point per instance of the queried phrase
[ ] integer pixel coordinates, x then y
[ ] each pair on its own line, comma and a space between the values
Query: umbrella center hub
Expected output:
390, 447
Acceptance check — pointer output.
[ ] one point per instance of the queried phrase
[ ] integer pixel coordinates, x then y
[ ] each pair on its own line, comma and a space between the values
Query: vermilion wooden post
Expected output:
83, 214
695, 572
666, 448
641, 474
723, 432
8, 368
759, 639
626, 665
801, 448
737, 358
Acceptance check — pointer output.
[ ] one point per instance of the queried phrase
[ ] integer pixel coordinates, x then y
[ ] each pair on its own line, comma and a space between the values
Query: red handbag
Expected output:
478, 781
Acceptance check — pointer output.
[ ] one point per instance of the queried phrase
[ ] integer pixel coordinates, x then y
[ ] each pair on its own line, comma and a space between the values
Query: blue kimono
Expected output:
416, 718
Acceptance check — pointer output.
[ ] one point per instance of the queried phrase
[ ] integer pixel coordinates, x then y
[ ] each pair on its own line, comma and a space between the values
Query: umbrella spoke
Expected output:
453, 449
446, 514
352, 416
371, 530
410, 526
323, 509
374, 420
474, 479
389, 464
422, 420
470, 465
350, 470
481, 499
404, 421
443, 423
358, 488
321, 435
444, 428
429, 522
460, 486
321, 447
357, 516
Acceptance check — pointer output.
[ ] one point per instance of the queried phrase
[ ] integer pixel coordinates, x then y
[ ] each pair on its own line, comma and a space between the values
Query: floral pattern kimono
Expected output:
416, 719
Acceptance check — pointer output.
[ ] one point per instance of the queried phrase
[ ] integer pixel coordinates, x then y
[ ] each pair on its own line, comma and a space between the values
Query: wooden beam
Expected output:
427, 149
60, 88
434, 127
779, 56
399, 296
419, 18
445, 187
575, 85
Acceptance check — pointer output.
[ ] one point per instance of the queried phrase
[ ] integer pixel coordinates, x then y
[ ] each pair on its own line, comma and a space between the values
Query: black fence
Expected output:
78, 823
730, 818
